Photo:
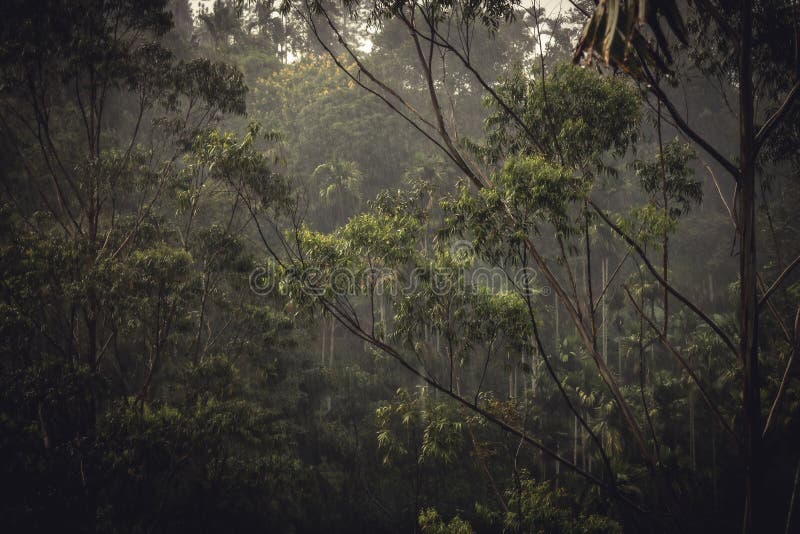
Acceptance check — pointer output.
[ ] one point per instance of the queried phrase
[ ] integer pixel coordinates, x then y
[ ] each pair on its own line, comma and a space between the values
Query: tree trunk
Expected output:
711, 288
558, 338
510, 376
522, 366
575, 440
589, 456
692, 435
558, 464
323, 331
748, 303
603, 307
330, 343
665, 207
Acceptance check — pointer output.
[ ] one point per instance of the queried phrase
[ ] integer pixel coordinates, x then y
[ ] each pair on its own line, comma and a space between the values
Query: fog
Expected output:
399, 267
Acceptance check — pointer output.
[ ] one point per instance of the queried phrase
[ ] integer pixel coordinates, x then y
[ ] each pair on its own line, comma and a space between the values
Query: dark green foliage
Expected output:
573, 116
199, 209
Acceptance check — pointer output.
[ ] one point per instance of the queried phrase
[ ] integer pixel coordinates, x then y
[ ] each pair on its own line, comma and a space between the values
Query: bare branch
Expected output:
778, 281
786, 375
394, 354
775, 119
695, 379
674, 292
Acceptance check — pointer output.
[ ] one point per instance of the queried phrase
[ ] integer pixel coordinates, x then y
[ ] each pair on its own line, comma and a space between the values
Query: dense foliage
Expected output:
440, 267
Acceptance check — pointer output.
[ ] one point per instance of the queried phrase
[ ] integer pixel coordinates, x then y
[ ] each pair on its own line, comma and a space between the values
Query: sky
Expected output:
550, 5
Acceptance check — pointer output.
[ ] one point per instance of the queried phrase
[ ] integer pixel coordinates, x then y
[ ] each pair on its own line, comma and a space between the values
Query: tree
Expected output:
121, 325
741, 29
628, 36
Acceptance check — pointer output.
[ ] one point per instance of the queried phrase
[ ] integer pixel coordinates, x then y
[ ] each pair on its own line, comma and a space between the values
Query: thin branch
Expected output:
357, 80
785, 379
394, 354
441, 41
719, 191
605, 374
551, 372
769, 126
778, 281
655, 89
695, 379
610, 280
674, 292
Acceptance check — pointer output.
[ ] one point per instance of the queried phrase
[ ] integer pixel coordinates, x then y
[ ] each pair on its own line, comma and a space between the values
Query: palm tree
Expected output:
339, 183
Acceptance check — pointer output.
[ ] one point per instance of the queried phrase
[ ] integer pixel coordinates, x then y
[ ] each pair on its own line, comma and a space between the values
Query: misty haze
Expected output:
440, 267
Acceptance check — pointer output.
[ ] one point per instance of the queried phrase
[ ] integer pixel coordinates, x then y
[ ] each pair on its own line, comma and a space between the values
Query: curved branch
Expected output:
674, 292
697, 382
776, 117
785, 379
654, 88
778, 281
560, 386
394, 354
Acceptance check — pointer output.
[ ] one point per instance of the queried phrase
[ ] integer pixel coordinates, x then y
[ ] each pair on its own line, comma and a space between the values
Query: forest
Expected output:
426, 266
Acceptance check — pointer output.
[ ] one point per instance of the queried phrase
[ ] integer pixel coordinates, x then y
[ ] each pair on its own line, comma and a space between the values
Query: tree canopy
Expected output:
428, 266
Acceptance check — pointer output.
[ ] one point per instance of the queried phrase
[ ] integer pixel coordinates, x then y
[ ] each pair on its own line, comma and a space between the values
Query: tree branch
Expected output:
697, 382
778, 281
674, 292
773, 121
